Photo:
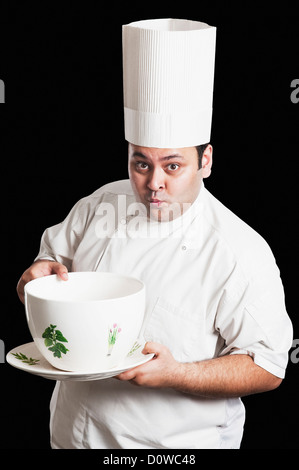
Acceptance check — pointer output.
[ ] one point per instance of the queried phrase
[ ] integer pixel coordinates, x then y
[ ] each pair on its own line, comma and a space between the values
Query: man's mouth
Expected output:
156, 202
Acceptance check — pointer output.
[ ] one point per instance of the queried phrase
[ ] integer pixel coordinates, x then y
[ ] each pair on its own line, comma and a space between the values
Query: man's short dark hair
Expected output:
200, 150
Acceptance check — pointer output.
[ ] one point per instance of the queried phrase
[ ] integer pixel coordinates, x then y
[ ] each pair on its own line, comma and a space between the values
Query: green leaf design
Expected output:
55, 350
53, 340
22, 357
134, 348
47, 333
48, 342
60, 336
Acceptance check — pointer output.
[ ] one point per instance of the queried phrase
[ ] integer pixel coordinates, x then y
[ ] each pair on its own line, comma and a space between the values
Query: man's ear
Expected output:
207, 161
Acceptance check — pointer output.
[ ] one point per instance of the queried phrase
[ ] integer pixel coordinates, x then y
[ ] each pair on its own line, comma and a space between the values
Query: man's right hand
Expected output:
40, 268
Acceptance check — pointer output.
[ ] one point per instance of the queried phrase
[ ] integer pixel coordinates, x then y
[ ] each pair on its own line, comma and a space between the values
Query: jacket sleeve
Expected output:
253, 320
60, 242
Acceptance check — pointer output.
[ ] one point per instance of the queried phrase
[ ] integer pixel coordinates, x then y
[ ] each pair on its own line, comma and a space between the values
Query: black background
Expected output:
62, 137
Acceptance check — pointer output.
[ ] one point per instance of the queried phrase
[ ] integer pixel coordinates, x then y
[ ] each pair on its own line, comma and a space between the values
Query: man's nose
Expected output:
156, 180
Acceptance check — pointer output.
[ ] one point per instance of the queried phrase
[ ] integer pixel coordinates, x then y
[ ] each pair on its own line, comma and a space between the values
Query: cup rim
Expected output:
76, 273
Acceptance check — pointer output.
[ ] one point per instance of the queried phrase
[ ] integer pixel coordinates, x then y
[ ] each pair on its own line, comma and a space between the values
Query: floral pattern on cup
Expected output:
112, 337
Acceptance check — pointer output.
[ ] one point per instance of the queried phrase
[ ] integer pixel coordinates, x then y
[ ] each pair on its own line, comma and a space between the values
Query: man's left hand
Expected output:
159, 372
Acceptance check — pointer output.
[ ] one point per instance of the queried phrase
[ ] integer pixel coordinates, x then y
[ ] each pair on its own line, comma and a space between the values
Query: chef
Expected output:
215, 314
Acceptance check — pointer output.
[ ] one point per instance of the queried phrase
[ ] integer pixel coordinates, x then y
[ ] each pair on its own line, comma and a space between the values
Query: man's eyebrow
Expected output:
168, 157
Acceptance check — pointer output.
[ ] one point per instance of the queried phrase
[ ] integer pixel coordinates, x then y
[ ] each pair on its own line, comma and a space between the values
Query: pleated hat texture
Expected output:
168, 80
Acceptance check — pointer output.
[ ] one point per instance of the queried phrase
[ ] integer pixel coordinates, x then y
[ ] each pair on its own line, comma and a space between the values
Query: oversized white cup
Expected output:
87, 323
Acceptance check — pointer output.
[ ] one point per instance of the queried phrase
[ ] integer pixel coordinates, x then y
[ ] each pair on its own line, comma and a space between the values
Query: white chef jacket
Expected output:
212, 288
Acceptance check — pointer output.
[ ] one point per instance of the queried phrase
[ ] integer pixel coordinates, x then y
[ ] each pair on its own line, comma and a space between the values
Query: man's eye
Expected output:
141, 166
173, 166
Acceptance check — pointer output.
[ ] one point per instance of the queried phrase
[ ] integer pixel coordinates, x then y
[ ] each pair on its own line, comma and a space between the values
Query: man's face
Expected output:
166, 181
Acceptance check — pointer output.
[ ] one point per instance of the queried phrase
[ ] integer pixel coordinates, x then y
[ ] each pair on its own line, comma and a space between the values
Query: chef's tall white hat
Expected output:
168, 78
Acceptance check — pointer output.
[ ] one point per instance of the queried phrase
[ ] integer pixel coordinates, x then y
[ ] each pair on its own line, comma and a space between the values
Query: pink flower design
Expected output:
113, 332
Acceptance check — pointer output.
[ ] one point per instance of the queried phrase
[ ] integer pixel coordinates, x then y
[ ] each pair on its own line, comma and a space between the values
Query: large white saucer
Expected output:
44, 369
